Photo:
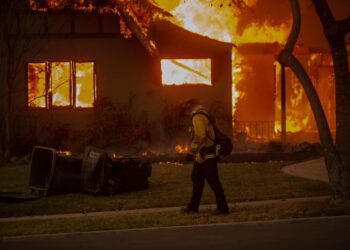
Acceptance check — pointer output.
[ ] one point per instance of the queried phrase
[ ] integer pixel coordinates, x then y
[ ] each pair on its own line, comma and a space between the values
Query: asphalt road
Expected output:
319, 233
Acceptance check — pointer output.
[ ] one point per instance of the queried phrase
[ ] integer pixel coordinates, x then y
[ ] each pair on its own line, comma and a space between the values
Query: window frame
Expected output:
193, 84
75, 85
49, 94
26, 84
72, 84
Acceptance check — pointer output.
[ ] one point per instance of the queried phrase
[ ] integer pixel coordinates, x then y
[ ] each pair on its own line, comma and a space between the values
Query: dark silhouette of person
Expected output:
203, 154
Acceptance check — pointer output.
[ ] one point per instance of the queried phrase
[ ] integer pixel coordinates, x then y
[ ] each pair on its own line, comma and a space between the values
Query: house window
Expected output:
60, 81
37, 85
61, 84
186, 71
84, 80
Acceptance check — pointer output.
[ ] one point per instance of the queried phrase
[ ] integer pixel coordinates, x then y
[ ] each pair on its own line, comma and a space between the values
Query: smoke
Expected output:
273, 12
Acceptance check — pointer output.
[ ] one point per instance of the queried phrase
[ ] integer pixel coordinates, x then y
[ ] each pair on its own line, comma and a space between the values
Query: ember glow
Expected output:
184, 71
181, 149
64, 153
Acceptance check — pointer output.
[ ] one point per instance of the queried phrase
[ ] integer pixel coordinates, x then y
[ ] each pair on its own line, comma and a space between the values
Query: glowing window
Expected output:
186, 71
57, 84
36, 76
60, 84
84, 80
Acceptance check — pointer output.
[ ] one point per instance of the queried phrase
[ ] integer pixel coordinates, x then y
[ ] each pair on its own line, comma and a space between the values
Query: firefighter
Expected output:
202, 153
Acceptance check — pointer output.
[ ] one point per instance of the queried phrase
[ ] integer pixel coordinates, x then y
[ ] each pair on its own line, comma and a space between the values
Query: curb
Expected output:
159, 210
258, 222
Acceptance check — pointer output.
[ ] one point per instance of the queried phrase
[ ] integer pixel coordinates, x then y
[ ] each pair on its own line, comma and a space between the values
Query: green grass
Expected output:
263, 212
170, 185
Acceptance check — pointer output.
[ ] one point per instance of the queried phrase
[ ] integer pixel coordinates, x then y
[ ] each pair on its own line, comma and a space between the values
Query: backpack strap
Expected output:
211, 121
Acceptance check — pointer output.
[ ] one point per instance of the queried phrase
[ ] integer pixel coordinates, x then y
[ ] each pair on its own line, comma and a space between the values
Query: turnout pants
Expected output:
207, 170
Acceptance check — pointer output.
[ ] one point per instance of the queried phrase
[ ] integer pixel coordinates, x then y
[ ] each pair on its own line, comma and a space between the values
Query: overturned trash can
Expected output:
94, 171
104, 175
41, 170
66, 175
131, 173
52, 173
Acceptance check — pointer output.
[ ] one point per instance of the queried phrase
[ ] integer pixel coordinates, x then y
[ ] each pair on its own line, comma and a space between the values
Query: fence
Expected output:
258, 130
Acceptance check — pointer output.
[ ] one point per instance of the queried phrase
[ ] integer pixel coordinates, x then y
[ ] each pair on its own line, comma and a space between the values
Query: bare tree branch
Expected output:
344, 25
324, 12
293, 36
333, 28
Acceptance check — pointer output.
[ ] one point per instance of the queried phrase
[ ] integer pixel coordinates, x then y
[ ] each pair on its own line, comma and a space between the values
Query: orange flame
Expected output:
36, 76
84, 76
184, 71
64, 152
181, 149
298, 112
60, 83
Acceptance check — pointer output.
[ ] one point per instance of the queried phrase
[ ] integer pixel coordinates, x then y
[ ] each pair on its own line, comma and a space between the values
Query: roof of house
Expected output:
158, 35
173, 41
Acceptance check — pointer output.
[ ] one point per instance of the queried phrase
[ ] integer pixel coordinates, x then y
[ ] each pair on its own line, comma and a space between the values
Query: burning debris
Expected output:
181, 149
64, 152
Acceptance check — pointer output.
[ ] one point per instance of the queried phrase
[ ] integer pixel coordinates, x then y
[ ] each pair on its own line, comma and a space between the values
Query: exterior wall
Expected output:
255, 109
123, 69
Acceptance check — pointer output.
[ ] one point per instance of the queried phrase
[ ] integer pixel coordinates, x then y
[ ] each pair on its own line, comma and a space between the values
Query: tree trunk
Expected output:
341, 72
335, 33
334, 159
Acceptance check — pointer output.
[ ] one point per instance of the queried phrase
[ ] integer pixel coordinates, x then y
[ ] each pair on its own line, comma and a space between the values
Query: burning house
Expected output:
110, 78
260, 30
83, 82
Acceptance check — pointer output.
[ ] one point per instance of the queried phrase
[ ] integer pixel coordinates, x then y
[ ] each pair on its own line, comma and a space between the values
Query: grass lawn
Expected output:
170, 185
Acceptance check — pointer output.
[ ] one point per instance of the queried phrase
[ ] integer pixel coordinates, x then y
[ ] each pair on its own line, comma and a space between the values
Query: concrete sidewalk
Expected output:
159, 210
313, 169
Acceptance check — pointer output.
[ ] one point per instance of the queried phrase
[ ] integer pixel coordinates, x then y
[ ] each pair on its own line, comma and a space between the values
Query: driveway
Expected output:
313, 169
